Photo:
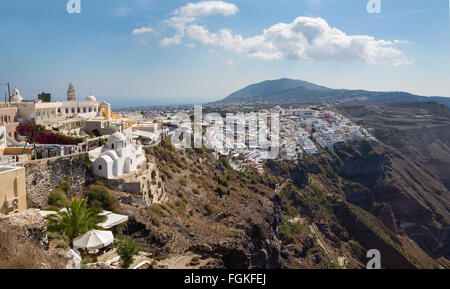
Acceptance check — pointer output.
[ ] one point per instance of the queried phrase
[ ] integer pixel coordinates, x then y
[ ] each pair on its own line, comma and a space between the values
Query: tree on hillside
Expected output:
99, 197
76, 220
126, 248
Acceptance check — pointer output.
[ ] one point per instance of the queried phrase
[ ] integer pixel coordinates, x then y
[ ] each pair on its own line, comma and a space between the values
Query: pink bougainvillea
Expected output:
43, 137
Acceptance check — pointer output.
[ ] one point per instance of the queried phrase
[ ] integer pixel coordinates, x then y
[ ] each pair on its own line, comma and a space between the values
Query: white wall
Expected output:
3, 136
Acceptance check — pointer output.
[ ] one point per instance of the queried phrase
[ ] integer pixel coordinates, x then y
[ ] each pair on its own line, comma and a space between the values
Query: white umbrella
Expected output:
112, 220
94, 240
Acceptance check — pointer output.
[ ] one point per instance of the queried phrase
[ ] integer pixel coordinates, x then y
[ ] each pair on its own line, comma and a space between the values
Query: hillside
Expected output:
299, 214
289, 91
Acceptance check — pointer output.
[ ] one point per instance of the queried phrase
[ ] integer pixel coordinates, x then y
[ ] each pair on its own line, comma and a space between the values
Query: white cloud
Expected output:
305, 38
402, 41
142, 30
206, 8
190, 12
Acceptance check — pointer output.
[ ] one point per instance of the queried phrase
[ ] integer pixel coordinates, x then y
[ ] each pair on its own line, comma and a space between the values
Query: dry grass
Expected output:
16, 253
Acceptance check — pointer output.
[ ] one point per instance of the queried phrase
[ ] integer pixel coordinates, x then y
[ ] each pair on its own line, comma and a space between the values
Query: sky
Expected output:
151, 52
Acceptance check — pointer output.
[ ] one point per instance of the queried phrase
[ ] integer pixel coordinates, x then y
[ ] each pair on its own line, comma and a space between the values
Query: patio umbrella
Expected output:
93, 240
112, 220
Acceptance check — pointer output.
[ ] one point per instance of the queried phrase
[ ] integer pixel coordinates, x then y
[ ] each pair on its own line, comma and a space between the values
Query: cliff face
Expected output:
400, 193
415, 140
351, 218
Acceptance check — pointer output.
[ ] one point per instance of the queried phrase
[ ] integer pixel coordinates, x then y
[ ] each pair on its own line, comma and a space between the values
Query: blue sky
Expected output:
214, 48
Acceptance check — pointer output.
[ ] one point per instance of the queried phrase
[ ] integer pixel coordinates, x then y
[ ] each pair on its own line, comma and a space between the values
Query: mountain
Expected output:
290, 91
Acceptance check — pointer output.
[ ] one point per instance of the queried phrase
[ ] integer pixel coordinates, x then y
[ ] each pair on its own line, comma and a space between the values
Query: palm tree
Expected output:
76, 220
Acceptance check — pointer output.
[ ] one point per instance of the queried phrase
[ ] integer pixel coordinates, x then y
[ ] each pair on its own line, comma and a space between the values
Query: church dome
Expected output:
16, 96
117, 137
91, 98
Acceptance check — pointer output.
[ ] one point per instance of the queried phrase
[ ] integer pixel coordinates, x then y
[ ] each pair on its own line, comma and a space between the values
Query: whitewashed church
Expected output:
119, 156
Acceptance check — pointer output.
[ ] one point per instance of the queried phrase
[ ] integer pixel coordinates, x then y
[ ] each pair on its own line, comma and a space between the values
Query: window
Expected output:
99, 168
112, 146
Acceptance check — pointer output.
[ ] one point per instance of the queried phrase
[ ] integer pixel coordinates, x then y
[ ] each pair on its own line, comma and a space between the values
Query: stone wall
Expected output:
43, 176
141, 183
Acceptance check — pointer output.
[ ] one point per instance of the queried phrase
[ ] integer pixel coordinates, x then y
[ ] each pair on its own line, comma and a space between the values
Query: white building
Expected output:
118, 157
54, 112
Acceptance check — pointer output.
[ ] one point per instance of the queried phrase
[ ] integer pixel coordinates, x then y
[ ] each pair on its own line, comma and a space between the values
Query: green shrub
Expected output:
181, 206
99, 197
84, 158
220, 192
53, 236
57, 198
62, 245
126, 248
153, 264
223, 182
288, 231
155, 221
225, 163
64, 185
158, 210
334, 266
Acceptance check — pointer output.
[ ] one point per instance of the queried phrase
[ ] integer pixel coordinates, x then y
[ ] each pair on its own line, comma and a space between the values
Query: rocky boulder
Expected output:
28, 224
